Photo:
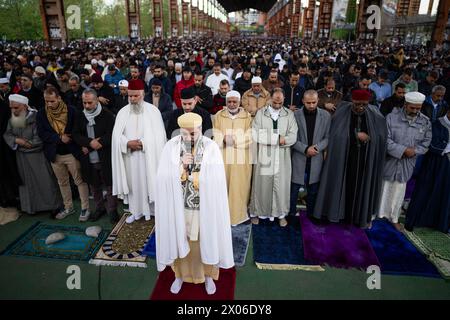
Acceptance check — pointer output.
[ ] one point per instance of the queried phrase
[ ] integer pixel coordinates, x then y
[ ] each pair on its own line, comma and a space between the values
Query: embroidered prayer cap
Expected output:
361, 95
137, 84
188, 93
123, 83
18, 98
39, 70
189, 120
414, 97
233, 94
256, 80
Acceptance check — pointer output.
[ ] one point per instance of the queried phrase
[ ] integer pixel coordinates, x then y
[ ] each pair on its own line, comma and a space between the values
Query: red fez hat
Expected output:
137, 84
361, 95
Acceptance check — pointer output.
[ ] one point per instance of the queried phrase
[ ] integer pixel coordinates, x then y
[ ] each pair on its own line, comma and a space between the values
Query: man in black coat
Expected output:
35, 96
160, 99
188, 103
397, 100
202, 92
92, 132
73, 96
104, 92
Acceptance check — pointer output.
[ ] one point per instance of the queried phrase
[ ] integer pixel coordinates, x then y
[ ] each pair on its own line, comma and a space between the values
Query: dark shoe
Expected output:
97, 215
114, 217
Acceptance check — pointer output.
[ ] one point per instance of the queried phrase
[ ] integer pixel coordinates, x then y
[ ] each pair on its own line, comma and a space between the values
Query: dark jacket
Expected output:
166, 83
51, 139
307, 81
390, 103
119, 102
165, 104
241, 85
427, 109
297, 96
173, 124
74, 99
204, 92
425, 87
107, 92
104, 124
35, 97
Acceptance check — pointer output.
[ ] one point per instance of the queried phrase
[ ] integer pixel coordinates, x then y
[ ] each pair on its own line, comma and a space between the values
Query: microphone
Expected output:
189, 145
191, 166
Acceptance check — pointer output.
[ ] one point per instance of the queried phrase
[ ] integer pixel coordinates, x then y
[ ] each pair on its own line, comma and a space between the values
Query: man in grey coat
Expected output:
308, 152
274, 131
409, 135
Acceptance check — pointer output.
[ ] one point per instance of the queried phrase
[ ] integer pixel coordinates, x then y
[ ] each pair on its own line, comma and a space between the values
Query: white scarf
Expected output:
90, 116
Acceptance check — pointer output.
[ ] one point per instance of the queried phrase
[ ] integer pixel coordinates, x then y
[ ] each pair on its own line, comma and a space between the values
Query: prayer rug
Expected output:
241, 239
76, 246
435, 245
224, 287
337, 245
150, 247
397, 255
124, 245
280, 248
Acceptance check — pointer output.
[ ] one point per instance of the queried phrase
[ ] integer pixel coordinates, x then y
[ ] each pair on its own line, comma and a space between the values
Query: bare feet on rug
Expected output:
399, 227
255, 220
283, 222
176, 286
132, 219
210, 286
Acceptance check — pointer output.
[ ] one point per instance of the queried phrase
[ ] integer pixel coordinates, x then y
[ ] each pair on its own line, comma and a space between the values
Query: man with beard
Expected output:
351, 180
409, 135
203, 93
38, 191
9, 179
92, 131
137, 141
54, 125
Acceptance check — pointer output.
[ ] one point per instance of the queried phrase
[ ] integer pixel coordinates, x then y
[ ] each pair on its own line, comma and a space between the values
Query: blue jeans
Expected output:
311, 189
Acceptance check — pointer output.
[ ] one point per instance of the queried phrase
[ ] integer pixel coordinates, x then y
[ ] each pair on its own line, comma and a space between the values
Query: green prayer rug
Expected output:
435, 245
76, 246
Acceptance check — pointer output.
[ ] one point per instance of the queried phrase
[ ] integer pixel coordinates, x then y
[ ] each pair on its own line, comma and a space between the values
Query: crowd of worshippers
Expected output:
346, 124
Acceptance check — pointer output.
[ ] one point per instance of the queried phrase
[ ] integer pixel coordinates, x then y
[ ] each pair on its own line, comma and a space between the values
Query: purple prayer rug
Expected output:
337, 245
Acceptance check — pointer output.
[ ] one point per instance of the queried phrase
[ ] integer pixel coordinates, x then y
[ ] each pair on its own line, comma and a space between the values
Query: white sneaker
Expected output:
63, 214
84, 215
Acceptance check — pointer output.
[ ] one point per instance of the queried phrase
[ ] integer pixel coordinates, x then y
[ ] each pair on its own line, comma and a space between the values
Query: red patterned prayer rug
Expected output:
225, 287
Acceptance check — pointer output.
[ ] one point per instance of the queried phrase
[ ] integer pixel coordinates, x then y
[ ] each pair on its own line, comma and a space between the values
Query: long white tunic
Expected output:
136, 169
134, 172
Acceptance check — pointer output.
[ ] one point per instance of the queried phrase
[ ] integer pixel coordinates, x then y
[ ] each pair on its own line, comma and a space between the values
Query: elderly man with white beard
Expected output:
137, 142
39, 190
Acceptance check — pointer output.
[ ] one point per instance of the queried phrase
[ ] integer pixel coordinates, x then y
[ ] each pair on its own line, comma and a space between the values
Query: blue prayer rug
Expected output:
76, 246
280, 248
397, 255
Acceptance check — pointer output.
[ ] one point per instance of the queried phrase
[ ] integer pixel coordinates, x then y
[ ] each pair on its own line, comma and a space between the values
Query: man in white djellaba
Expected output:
193, 233
137, 142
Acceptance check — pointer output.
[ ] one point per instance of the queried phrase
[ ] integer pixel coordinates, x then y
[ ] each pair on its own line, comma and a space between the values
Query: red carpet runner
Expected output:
225, 287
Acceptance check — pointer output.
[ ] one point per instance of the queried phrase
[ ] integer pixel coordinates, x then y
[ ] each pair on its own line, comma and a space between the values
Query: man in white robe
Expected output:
193, 233
137, 141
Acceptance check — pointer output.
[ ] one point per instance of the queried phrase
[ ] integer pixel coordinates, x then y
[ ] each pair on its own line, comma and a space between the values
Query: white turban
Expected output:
19, 99
123, 83
233, 94
415, 97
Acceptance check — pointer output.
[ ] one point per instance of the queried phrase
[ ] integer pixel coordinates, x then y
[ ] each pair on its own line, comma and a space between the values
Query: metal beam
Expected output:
158, 18
53, 22
308, 26
324, 27
133, 19
441, 23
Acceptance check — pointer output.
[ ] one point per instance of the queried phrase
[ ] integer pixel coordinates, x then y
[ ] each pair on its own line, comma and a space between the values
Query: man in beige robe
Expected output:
232, 132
